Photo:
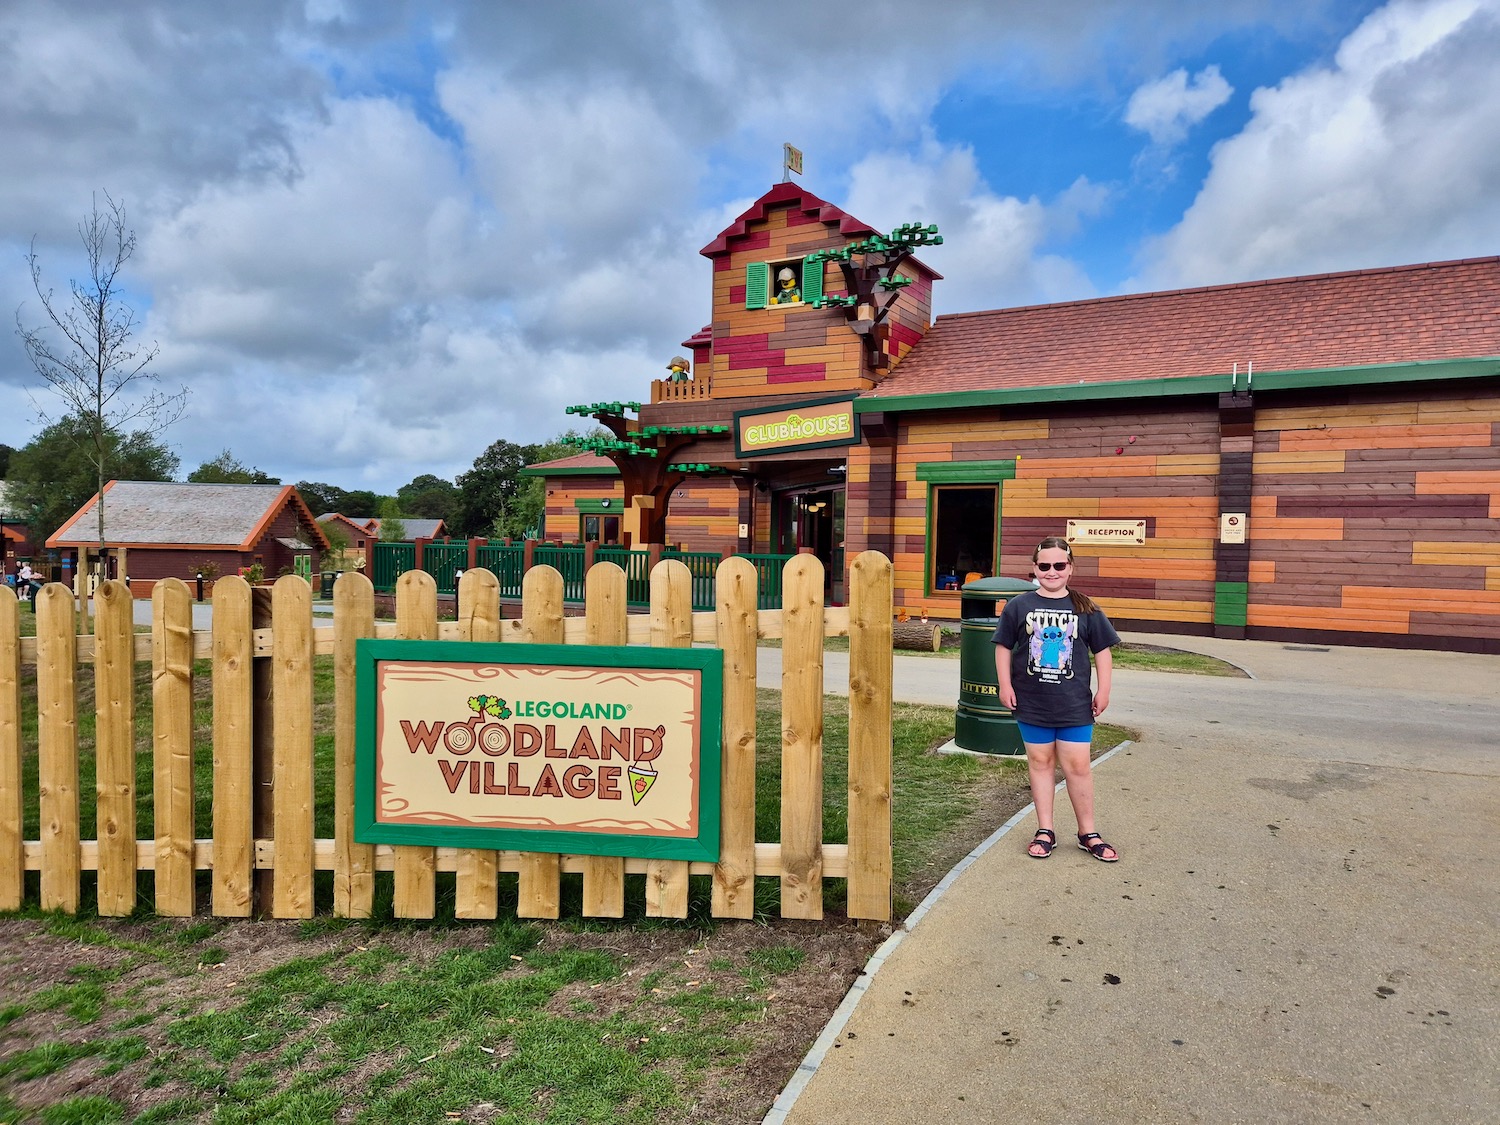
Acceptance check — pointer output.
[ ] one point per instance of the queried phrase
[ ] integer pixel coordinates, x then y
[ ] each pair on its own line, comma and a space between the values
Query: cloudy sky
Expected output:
375, 237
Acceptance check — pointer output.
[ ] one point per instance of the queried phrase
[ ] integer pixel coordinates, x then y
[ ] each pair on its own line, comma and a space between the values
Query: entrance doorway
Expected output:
812, 518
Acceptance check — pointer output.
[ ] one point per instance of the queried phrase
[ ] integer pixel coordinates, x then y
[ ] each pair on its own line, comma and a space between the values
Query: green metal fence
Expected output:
508, 564
701, 565
391, 561
768, 578
637, 568
567, 561
444, 560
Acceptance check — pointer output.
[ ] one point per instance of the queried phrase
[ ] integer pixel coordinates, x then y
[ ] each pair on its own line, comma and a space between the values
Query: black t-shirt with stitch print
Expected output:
1050, 646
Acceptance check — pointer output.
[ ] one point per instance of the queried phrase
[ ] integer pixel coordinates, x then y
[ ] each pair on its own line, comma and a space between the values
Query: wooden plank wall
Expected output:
1373, 514
781, 348
236, 855
563, 517
1378, 515
1067, 467
704, 513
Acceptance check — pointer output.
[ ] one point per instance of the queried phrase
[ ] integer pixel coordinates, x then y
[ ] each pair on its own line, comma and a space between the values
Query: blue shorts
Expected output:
1046, 736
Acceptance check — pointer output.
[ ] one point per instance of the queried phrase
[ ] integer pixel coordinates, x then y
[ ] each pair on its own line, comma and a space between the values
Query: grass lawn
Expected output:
641, 1020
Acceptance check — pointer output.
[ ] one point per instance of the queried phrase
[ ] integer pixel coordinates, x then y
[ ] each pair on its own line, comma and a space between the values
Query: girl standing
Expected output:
1050, 692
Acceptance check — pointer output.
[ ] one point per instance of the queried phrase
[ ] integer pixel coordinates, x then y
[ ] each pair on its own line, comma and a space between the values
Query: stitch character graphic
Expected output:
1051, 646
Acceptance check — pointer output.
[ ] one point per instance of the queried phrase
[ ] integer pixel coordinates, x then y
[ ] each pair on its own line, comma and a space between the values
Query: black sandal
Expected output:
1047, 845
1097, 849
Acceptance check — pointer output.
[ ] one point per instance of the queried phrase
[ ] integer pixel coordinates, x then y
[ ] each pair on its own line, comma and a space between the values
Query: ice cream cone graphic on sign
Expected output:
642, 778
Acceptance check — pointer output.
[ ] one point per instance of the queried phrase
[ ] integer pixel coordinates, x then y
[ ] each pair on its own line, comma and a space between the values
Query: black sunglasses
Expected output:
1053, 566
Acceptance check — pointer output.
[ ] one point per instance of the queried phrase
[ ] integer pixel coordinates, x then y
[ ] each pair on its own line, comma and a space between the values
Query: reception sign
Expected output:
590, 750
1107, 531
807, 425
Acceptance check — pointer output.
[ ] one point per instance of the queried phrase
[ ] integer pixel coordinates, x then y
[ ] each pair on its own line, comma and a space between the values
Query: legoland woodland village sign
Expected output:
592, 750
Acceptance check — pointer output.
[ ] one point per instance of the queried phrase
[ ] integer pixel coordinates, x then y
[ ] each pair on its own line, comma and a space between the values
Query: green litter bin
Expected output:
325, 583
982, 723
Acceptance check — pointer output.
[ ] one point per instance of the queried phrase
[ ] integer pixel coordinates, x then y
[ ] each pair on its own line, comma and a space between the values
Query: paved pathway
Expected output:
1303, 927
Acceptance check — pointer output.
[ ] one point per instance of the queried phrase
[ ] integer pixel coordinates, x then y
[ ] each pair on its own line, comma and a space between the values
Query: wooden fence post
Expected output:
605, 623
870, 736
476, 886
57, 747
263, 787
802, 738
234, 748
671, 627
737, 622
353, 863
538, 892
172, 745
12, 853
292, 706
416, 865
114, 747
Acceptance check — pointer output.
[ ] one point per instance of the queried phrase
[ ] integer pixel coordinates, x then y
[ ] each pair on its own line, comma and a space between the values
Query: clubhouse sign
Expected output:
807, 425
587, 750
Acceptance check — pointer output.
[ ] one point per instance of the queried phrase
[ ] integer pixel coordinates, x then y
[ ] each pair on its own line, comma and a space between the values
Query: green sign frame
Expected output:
706, 663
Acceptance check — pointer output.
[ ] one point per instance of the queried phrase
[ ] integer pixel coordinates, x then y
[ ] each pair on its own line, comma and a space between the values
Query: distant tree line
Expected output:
55, 475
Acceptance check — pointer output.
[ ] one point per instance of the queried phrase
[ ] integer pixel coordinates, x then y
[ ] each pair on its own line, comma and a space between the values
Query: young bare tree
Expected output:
87, 352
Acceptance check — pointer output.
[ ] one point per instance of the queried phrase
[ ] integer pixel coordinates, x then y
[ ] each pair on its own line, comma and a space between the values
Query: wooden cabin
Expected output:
1309, 459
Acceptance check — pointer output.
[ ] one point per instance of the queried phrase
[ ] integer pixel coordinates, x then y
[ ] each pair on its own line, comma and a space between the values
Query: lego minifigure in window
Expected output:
788, 292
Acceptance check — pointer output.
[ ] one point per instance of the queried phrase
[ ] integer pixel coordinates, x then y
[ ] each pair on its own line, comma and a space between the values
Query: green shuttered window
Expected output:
757, 284
812, 281
759, 277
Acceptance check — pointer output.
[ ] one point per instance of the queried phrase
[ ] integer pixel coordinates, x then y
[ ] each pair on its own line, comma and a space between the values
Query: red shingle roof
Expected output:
576, 463
781, 195
1436, 311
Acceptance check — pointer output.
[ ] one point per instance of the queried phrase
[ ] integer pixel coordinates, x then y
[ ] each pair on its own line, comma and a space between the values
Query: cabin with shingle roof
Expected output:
155, 530
1308, 459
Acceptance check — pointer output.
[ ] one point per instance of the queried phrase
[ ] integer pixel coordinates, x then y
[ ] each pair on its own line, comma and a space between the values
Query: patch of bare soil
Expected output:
165, 978
661, 963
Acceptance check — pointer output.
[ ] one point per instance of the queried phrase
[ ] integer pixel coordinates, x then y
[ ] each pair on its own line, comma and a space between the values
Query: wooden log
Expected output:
802, 738
354, 863
476, 885
416, 865
234, 749
734, 874
871, 780
918, 635
114, 747
671, 627
172, 744
538, 893
605, 614
57, 747
12, 855
292, 758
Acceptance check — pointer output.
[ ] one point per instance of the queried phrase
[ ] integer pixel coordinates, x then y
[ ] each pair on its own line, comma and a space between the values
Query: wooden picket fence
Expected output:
262, 852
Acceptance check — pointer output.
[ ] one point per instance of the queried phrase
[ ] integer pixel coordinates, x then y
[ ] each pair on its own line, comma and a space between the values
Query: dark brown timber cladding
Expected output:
1376, 516
1155, 462
878, 497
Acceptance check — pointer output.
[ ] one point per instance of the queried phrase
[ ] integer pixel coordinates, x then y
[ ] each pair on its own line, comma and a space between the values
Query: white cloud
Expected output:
993, 251
1387, 156
1167, 108
375, 238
